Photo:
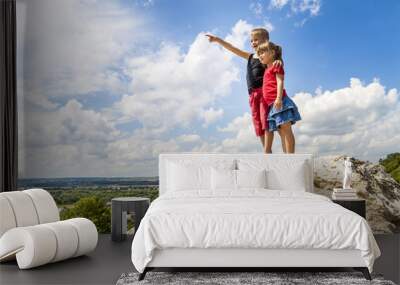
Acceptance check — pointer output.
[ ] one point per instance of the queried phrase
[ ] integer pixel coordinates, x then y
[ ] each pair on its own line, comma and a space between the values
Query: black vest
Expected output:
255, 73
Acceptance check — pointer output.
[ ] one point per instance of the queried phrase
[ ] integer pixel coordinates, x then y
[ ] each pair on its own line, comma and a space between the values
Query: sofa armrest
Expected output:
33, 246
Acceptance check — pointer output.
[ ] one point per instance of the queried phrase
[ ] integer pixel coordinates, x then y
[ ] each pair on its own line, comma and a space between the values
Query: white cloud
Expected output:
138, 147
73, 141
312, 7
301, 23
146, 3
69, 141
69, 124
211, 115
354, 107
74, 47
189, 138
360, 120
167, 89
172, 88
133, 156
244, 138
256, 8
240, 34
269, 26
278, 4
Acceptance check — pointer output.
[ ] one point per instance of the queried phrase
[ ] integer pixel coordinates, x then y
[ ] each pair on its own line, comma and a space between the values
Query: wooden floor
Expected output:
111, 259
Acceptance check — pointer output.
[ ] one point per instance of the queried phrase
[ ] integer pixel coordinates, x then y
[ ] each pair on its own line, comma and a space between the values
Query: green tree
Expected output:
93, 209
392, 165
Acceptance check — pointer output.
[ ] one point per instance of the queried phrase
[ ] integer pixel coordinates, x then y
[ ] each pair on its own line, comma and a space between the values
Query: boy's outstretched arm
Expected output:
228, 46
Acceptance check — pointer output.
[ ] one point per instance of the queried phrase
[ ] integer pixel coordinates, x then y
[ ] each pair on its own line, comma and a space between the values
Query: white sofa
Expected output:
31, 231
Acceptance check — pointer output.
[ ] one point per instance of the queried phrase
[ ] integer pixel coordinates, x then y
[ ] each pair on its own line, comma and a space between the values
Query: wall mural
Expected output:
105, 86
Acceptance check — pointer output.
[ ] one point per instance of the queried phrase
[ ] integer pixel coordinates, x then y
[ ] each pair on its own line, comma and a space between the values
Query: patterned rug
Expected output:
243, 278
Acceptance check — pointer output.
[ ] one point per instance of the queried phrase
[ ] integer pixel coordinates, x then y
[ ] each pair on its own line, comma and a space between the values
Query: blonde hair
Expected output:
261, 32
270, 47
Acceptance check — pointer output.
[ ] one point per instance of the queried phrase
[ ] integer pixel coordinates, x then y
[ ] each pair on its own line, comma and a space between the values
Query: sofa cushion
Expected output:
45, 205
7, 220
23, 208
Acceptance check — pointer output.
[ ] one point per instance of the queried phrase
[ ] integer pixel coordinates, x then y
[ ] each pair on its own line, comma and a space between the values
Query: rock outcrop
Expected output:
372, 183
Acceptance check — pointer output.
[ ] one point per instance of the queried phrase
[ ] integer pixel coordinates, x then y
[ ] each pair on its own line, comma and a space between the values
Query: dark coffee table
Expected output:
119, 209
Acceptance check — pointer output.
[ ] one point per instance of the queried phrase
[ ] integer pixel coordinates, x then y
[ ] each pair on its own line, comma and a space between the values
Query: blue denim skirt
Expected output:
288, 113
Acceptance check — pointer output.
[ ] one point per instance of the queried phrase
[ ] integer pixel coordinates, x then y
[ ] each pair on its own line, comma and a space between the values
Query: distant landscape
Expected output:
87, 182
67, 191
90, 197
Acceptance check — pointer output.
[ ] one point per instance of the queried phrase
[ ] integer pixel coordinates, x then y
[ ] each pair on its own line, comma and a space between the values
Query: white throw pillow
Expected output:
292, 179
282, 174
188, 174
223, 179
187, 177
251, 178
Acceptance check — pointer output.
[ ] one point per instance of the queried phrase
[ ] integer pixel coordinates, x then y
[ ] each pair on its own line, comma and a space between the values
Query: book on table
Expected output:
344, 194
345, 198
343, 190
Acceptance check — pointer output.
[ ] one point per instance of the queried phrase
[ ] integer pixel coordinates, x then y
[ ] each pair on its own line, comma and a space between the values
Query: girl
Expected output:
282, 112
255, 73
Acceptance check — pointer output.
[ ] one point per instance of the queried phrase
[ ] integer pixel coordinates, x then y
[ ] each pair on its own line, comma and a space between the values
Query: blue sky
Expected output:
347, 38
107, 85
